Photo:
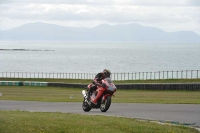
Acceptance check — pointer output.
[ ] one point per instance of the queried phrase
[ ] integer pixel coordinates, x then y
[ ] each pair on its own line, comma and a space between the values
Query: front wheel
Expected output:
85, 106
106, 104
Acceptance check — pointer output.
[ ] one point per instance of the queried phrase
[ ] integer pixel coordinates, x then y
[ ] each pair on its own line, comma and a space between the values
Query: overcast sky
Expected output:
168, 15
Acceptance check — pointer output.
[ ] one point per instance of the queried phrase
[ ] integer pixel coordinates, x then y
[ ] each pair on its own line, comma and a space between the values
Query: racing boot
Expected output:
94, 101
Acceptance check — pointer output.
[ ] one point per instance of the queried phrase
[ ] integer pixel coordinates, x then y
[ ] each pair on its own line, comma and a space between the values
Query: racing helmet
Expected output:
107, 72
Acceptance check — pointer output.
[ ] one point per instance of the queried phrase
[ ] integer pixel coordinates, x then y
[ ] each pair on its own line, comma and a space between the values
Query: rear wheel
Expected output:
85, 106
106, 104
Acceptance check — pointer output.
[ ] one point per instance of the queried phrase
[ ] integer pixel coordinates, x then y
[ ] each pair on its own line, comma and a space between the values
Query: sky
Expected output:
168, 15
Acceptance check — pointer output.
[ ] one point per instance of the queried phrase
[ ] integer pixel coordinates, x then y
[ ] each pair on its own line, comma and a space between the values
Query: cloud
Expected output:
106, 2
112, 13
194, 2
166, 14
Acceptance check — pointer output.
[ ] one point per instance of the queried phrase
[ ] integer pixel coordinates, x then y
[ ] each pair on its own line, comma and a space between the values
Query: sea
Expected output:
93, 57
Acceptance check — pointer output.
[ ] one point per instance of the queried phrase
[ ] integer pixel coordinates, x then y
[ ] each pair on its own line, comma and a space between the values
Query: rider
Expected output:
97, 80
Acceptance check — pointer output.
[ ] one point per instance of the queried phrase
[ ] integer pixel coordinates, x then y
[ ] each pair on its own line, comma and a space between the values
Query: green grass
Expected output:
163, 97
38, 122
48, 80
89, 81
60, 94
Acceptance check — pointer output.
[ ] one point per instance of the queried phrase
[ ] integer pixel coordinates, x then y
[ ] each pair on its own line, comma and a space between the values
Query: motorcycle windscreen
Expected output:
109, 84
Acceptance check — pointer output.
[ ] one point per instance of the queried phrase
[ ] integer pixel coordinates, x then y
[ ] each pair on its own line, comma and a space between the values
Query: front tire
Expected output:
106, 104
85, 106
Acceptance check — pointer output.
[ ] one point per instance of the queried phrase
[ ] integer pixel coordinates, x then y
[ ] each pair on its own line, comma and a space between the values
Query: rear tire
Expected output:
85, 106
106, 104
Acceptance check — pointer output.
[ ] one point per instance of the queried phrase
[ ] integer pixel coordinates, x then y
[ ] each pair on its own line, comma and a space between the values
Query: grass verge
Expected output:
89, 81
60, 94
42, 122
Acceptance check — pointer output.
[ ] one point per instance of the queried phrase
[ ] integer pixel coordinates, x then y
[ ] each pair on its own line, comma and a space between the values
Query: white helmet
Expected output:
107, 72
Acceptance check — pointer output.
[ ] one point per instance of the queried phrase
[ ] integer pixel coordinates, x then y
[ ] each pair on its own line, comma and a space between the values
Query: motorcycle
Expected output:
104, 101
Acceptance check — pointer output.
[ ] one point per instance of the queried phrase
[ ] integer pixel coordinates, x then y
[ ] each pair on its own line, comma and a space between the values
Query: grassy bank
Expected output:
60, 94
89, 81
37, 122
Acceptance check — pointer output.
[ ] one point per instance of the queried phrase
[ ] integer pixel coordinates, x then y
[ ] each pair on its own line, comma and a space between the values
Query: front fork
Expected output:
85, 97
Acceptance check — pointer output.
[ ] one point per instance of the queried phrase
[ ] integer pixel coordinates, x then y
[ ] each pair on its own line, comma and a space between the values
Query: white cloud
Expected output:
108, 2
168, 15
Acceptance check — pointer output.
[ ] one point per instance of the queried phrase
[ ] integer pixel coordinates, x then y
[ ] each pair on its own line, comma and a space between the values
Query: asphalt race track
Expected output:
187, 114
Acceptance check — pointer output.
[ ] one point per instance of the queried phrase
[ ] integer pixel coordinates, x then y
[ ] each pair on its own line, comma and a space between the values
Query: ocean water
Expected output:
66, 57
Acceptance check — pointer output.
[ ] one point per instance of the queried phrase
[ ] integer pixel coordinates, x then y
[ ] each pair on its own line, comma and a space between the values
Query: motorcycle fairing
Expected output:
108, 84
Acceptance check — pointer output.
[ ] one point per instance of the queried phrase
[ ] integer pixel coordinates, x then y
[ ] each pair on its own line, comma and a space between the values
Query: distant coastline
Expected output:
24, 50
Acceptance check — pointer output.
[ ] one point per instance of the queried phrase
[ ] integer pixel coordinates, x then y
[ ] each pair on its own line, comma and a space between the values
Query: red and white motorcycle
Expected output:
104, 102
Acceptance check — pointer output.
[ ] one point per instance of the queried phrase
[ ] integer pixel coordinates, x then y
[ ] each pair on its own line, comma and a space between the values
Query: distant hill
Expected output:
129, 32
